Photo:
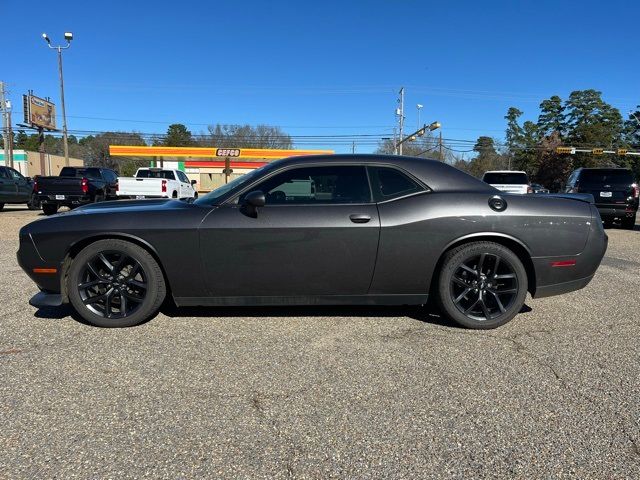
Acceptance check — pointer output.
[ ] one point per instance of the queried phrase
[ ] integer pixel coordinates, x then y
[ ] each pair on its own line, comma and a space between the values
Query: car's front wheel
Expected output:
115, 283
482, 285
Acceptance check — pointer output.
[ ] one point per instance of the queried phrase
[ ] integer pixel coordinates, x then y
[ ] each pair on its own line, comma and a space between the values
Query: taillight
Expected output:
85, 185
635, 191
117, 187
529, 189
164, 186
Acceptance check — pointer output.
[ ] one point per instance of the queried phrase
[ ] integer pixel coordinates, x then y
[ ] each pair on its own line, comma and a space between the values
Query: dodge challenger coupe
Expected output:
330, 230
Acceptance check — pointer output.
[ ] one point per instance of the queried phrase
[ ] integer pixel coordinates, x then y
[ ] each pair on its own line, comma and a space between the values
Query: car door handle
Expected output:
359, 218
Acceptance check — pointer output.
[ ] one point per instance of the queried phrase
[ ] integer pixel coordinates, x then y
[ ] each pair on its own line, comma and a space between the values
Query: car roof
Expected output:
505, 171
437, 175
589, 169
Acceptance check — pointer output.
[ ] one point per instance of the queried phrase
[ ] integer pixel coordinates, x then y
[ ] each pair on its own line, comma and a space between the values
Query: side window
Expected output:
317, 185
15, 174
572, 178
183, 178
389, 183
3, 173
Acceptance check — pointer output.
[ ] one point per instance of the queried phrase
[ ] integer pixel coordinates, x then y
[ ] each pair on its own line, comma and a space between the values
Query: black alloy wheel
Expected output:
481, 285
115, 283
484, 286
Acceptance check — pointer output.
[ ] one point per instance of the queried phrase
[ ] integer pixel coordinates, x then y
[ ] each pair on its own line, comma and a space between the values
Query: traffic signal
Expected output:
569, 150
622, 151
597, 151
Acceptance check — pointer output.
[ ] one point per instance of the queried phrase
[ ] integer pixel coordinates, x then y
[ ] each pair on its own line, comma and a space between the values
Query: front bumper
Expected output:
46, 299
29, 259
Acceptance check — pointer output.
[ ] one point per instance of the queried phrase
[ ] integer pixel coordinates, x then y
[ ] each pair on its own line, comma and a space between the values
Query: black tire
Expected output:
49, 208
481, 285
174, 195
629, 223
195, 196
108, 298
1, 206
33, 203
98, 198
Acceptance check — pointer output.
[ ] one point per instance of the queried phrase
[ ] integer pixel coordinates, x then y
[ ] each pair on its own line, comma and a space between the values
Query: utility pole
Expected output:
5, 128
9, 135
353, 147
68, 36
400, 117
440, 144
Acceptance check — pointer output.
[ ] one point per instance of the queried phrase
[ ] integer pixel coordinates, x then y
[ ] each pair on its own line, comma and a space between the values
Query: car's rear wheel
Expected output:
629, 223
1, 206
115, 283
482, 285
49, 208
34, 203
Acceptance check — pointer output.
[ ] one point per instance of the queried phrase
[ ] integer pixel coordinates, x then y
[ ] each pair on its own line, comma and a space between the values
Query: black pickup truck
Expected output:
614, 190
76, 186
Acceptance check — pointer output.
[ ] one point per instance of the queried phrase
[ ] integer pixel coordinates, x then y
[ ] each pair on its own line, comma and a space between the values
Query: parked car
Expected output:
508, 181
614, 190
374, 229
157, 183
15, 188
76, 186
537, 188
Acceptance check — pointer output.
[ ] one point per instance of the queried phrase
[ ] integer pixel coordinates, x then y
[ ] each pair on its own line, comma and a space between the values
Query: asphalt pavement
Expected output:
323, 392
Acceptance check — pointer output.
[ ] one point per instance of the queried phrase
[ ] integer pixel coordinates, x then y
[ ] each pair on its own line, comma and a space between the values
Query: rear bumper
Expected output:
136, 197
554, 278
617, 211
69, 200
564, 287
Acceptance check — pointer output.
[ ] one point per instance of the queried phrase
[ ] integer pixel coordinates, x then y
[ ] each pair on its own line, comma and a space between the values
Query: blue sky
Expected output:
320, 68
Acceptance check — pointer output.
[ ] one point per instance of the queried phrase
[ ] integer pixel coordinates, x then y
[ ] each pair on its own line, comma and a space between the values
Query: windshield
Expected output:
603, 177
505, 178
212, 197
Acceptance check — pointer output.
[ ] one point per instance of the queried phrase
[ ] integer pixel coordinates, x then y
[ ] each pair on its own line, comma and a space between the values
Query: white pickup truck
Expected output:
157, 183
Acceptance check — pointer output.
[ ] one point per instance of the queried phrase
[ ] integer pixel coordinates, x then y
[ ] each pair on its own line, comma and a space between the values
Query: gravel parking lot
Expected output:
324, 392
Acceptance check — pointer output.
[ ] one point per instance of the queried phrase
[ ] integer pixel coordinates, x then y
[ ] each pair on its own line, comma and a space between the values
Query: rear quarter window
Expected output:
389, 183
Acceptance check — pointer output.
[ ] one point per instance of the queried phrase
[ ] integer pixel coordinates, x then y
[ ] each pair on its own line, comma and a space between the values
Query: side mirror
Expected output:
255, 199
252, 201
193, 182
28, 179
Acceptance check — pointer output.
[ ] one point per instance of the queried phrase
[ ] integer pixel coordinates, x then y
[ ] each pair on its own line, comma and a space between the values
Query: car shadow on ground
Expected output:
427, 314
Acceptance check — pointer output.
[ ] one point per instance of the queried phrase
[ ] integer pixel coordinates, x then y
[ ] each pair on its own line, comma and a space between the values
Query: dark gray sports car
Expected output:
342, 229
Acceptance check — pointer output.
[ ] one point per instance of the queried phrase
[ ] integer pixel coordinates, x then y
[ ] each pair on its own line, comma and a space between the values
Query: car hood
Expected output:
129, 206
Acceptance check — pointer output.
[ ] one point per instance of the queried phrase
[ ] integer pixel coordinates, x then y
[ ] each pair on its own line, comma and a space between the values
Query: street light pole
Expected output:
68, 36
419, 107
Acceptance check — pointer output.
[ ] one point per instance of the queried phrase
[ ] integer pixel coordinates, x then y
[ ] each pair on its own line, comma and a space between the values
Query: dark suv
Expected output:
614, 191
